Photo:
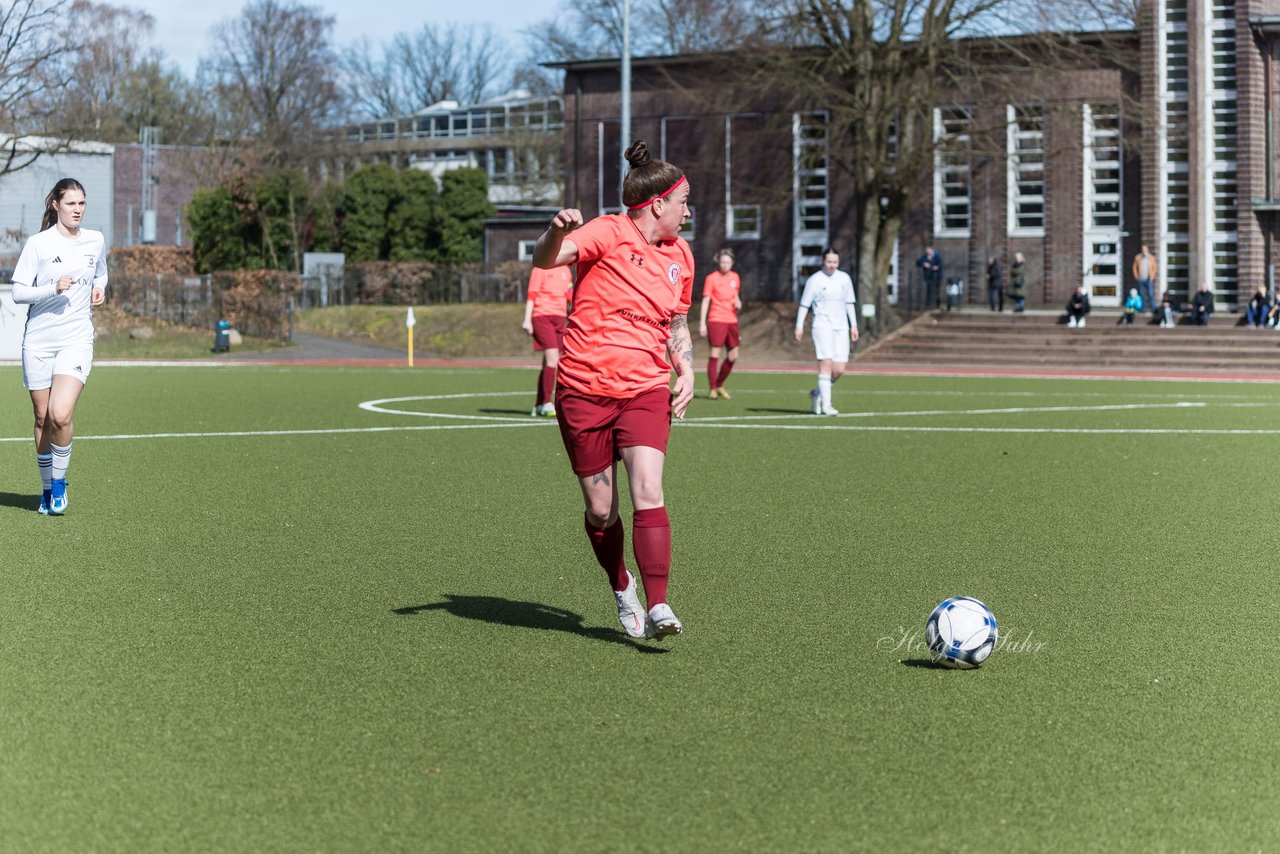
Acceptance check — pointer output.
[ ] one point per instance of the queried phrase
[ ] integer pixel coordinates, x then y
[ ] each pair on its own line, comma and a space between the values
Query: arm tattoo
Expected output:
680, 346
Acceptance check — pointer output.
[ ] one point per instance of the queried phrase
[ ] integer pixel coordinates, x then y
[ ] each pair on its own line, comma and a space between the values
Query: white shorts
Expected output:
39, 366
831, 344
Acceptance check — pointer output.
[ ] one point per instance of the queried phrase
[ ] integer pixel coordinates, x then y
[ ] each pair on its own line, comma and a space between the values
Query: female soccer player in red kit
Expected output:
544, 313
720, 306
613, 400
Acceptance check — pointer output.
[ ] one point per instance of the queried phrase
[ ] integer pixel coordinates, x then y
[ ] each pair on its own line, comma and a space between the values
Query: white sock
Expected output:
44, 459
61, 459
824, 390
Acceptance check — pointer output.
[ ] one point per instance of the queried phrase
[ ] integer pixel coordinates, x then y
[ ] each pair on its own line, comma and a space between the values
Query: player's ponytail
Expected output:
55, 195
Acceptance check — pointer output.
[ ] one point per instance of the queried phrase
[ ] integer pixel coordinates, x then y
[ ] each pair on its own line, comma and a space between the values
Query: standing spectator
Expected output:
930, 264
545, 309
1132, 305
1259, 307
995, 284
1077, 307
614, 399
1018, 282
720, 306
829, 293
1145, 270
62, 275
1202, 305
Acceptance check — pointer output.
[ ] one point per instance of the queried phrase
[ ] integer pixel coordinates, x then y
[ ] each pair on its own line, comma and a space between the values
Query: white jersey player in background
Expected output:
829, 295
61, 275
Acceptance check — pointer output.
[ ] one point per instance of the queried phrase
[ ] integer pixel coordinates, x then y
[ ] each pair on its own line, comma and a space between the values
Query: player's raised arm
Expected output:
553, 250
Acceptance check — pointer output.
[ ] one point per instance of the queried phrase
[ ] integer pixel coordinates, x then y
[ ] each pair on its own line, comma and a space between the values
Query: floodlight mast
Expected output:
625, 129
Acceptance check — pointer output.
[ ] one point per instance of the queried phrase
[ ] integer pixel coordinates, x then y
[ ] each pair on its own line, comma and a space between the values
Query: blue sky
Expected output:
182, 26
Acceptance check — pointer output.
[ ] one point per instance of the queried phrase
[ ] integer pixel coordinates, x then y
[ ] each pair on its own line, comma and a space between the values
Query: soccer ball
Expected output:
961, 632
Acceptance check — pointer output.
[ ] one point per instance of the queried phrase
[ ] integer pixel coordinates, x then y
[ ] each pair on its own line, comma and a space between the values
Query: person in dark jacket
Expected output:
1077, 307
995, 284
1202, 305
1255, 313
1018, 282
930, 264
1168, 310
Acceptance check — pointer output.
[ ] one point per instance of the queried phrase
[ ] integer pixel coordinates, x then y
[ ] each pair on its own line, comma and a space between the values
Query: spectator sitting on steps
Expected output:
1168, 310
1077, 307
1255, 313
1132, 306
1202, 305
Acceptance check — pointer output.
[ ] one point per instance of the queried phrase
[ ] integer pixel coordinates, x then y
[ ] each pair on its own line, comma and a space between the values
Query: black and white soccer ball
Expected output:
961, 632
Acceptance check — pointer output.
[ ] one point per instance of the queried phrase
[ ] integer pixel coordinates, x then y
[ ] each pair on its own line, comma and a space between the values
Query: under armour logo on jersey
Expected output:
638, 260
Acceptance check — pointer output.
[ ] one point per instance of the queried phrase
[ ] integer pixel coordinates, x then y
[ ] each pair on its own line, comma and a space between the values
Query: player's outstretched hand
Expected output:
681, 395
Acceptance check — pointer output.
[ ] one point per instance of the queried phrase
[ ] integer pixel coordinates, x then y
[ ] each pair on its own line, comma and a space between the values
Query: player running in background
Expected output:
61, 275
829, 294
613, 401
719, 325
545, 309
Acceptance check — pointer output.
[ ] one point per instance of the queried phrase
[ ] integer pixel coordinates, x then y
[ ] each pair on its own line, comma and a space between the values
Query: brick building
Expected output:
1169, 148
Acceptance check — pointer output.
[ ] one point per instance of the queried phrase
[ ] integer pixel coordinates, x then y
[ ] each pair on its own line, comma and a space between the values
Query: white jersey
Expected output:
56, 320
830, 298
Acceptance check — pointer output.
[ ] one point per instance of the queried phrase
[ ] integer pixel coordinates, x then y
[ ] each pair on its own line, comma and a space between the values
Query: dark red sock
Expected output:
651, 541
546, 384
713, 371
724, 372
607, 543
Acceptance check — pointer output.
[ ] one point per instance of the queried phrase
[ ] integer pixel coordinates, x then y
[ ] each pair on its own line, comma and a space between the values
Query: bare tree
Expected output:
36, 45
439, 62
102, 65
273, 71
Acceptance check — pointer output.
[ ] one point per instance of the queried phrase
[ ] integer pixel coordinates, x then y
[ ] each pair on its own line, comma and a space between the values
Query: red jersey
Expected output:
722, 289
615, 344
549, 291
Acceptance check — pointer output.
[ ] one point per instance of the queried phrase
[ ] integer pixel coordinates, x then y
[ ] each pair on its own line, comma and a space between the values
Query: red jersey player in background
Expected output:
544, 314
720, 307
613, 399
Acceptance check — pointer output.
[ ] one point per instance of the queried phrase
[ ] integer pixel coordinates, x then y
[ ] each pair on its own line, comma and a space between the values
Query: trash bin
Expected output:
955, 293
222, 337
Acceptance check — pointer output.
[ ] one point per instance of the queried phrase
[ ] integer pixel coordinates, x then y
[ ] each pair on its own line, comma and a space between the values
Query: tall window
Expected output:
1103, 163
1224, 233
743, 189
1026, 170
1175, 213
952, 195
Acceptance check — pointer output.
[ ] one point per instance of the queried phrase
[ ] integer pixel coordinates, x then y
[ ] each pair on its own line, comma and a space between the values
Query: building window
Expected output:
1103, 164
524, 250
1026, 171
744, 222
952, 199
687, 230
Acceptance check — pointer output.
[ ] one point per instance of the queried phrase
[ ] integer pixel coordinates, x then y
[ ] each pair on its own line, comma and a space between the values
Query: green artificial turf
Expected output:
332, 639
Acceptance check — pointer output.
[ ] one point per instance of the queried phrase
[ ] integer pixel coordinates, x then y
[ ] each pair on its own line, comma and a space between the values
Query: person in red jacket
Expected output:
628, 330
720, 306
545, 309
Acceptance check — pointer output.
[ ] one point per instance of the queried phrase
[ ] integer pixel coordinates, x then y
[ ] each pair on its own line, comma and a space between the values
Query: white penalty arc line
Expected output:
1012, 410
323, 431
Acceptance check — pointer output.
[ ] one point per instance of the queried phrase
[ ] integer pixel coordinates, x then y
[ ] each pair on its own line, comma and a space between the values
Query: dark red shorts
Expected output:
548, 332
596, 429
723, 335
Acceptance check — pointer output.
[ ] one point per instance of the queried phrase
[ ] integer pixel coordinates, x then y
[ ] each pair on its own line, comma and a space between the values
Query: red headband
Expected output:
662, 195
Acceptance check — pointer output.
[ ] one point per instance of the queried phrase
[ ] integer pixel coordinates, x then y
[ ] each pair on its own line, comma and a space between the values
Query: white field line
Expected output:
1013, 410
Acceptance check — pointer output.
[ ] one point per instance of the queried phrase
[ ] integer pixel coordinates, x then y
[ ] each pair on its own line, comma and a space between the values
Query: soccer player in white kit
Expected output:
61, 275
829, 295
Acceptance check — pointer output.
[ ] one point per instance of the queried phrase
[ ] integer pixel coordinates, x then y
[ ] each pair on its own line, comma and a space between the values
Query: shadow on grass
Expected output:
523, 615
926, 663
21, 500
